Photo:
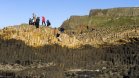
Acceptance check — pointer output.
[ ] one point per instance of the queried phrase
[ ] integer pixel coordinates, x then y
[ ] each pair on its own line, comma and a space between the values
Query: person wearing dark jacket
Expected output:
62, 30
48, 23
37, 22
30, 21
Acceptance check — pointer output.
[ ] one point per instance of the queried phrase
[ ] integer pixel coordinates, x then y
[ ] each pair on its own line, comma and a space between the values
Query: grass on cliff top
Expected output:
115, 24
102, 23
113, 21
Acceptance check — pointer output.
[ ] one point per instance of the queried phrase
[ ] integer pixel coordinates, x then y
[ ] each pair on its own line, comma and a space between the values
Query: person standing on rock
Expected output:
43, 20
37, 22
30, 21
62, 30
48, 23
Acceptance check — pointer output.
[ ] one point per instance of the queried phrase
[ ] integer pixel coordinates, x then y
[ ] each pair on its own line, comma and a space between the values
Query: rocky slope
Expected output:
104, 25
114, 56
37, 37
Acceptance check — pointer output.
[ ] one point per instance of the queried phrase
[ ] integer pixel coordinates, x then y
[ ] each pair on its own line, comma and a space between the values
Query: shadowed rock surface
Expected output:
53, 60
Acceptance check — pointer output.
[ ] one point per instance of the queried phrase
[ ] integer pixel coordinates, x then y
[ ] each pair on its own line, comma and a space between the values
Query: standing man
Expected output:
48, 23
43, 20
37, 22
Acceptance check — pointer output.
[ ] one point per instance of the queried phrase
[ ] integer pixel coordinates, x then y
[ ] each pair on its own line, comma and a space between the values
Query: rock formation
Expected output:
104, 44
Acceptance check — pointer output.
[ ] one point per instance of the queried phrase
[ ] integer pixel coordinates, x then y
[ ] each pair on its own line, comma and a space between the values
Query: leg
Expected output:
44, 23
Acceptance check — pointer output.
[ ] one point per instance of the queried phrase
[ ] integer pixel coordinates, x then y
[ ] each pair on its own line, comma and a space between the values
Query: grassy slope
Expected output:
105, 19
105, 27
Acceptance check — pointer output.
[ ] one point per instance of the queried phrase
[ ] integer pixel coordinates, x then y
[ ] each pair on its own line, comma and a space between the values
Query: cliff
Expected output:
26, 50
103, 18
103, 25
127, 11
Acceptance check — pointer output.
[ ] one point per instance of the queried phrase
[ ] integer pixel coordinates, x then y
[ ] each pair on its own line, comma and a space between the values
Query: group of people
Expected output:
36, 21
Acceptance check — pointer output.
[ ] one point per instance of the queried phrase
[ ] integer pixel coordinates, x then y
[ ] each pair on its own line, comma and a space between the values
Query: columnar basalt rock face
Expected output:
106, 60
37, 37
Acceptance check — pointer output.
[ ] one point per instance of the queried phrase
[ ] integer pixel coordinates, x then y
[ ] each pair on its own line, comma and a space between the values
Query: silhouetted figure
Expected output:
43, 20
48, 23
30, 21
62, 29
37, 22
